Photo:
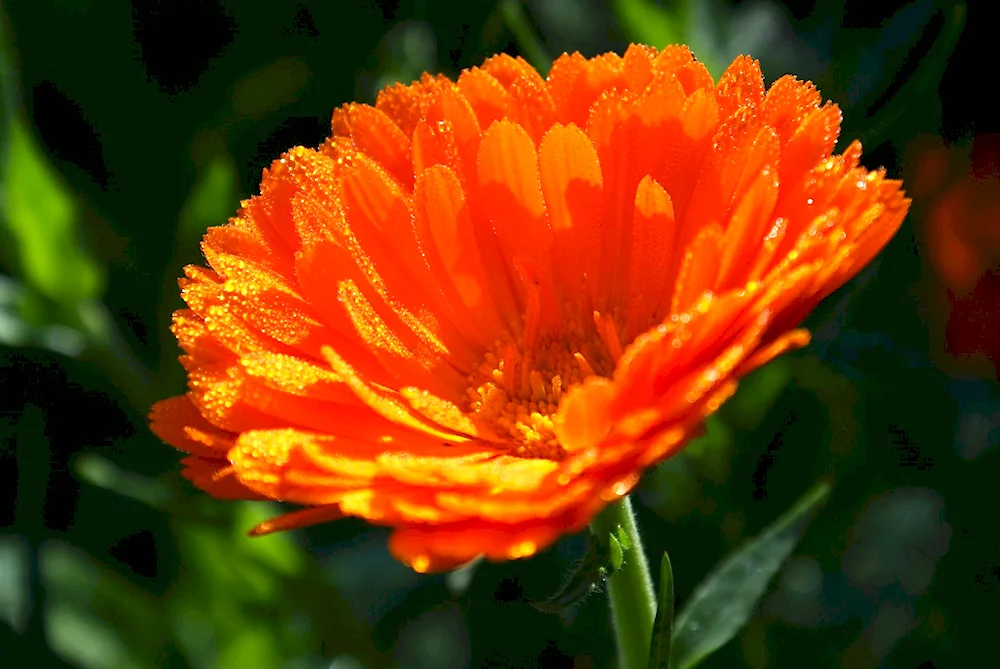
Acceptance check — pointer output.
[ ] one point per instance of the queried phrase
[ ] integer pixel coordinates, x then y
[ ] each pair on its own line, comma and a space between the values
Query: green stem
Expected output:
630, 589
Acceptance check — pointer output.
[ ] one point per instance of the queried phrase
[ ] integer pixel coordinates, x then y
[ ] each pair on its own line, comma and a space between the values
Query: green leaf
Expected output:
14, 331
53, 301
622, 536
27, 318
253, 645
211, 202
103, 473
42, 220
94, 617
80, 638
15, 596
646, 22
659, 650
616, 554
224, 604
725, 600
255, 601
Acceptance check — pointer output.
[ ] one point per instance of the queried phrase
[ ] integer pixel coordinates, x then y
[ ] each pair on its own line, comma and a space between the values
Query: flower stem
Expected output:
630, 589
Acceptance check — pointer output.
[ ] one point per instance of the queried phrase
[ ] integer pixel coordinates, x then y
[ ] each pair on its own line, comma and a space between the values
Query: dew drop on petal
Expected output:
421, 564
522, 549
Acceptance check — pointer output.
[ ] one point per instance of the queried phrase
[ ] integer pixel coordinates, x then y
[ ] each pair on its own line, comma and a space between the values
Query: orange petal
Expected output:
435, 144
487, 96
177, 422
571, 183
678, 60
653, 237
576, 84
436, 548
531, 106
584, 417
404, 104
376, 135
385, 403
444, 225
216, 477
509, 180
699, 268
741, 87
638, 67
786, 103
748, 226
812, 141
296, 519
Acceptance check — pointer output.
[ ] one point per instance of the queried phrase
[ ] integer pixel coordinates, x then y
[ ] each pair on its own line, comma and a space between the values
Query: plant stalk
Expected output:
630, 588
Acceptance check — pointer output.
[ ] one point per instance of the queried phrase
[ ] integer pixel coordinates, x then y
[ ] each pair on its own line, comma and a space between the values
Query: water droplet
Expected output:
523, 549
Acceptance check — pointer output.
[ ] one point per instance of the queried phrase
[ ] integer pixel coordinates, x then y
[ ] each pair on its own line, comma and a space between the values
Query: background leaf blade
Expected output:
724, 601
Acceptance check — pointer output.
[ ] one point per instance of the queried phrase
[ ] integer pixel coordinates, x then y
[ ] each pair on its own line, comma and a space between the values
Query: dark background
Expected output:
128, 128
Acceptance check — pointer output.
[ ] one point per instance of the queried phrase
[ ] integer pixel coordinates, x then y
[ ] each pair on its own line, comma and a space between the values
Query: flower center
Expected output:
517, 388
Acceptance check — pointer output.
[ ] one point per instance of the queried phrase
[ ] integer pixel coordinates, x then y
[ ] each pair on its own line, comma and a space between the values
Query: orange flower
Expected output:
961, 184
483, 308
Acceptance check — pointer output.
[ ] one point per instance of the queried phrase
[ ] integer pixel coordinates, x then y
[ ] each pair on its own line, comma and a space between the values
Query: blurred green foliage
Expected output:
42, 218
127, 129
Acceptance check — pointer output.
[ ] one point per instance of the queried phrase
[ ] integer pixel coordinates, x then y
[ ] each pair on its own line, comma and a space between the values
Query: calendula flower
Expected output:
960, 184
482, 308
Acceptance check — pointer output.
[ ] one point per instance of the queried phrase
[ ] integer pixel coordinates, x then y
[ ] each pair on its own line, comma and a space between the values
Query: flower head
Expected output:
483, 307
961, 186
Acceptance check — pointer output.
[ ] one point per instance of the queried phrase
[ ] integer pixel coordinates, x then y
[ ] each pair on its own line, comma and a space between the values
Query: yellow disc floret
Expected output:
516, 390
